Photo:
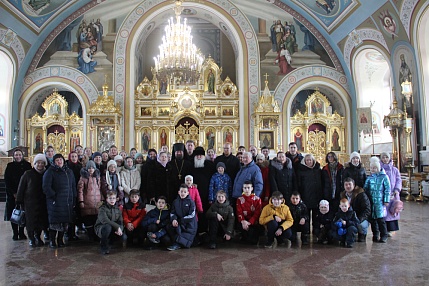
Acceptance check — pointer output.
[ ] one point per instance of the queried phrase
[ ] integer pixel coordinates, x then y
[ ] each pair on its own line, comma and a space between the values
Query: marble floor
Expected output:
401, 261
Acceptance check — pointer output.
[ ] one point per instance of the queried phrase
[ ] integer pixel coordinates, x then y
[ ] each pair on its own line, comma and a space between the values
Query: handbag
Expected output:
18, 216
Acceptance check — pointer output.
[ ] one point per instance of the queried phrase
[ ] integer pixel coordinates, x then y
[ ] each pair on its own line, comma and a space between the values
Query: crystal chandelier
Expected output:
178, 56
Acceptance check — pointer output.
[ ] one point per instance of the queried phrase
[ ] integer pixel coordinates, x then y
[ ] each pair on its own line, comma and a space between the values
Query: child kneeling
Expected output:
109, 221
155, 223
277, 218
344, 225
133, 214
220, 214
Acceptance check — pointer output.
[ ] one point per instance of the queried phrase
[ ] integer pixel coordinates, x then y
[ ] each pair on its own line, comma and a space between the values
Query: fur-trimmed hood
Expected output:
276, 164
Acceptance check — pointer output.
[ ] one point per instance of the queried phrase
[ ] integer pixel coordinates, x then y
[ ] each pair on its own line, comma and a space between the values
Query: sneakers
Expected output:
173, 247
269, 245
383, 239
349, 245
153, 240
389, 234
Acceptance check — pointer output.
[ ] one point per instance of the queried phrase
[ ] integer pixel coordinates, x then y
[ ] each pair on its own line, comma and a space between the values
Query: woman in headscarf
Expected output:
30, 195
12, 175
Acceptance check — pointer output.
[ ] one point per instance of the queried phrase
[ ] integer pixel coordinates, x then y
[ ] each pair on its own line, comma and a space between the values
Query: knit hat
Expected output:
374, 161
324, 203
354, 154
260, 156
199, 151
95, 154
118, 157
138, 155
385, 154
221, 164
110, 163
90, 164
56, 156
39, 157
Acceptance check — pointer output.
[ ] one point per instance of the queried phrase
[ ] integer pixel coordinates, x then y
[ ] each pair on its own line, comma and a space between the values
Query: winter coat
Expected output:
107, 185
157, 185
220, 182
183, 210
226, 211
156, 214
30, 195
88, 192
394, 176
130, 179
357, 173
75, 168
310, 184
12, 175
133, 213
266, 191
282, 177
296, 161
202, 178
360, 203
323, 220
327, 183
108, 214
349, 217
377, 188
195, 196
282, 211
59, 187
232, 165
249, 172
298, 212
249, 208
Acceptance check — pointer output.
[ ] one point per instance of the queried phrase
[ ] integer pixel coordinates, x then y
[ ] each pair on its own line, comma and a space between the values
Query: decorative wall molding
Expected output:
9, 39
407, 10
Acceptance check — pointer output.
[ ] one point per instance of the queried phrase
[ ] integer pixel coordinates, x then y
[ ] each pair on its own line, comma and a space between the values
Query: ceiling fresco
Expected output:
37, 13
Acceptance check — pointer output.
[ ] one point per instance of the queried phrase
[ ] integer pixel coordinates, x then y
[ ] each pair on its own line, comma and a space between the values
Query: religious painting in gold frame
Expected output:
75, 138
227, 110
266, 139
210, 111
146, 111
37, 141
145, 139
163, 111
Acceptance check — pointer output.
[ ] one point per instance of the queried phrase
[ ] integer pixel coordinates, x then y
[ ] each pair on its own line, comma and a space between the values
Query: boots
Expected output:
32, 241
37, 238
15, 231
304, 239
60, 241
21, 233
52, 237
361, 237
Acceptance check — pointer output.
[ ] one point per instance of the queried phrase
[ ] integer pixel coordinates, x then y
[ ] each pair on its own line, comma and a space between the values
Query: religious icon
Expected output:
335, 141
163, 137
363, 118
210, 136
298, 140
388, 23
38, 147
317, 106
211, 82
266, 139
145, 140
228, 136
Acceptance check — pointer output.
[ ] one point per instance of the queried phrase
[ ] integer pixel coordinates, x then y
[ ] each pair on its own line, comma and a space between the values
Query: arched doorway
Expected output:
187, 129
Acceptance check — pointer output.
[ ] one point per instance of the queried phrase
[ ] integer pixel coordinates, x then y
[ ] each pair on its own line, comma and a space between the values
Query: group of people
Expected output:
190, 198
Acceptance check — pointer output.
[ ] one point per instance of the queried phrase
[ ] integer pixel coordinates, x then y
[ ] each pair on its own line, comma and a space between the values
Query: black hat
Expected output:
56, 156
220, 164
199, 151
95, 154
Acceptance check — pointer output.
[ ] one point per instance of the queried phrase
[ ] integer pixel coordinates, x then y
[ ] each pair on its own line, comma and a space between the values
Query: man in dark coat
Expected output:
231, 162
178, 168
12, 175
360, 203
202, 172
150, 163
294, 156
59, 187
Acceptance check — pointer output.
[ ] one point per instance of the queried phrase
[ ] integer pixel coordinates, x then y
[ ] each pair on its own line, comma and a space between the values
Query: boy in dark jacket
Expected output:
155, 222
323, 222
344, 226
133, 214
301, 222
183, 227
220, 214
109, 221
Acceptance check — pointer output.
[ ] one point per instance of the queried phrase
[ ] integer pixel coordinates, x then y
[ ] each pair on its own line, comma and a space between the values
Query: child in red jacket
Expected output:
249, 207
194, 194
133, 214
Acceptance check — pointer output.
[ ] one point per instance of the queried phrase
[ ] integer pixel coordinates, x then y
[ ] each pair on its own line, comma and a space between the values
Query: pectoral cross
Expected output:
180, 176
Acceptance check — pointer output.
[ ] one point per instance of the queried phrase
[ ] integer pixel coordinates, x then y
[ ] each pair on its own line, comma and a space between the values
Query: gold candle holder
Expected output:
409, 168
420, 197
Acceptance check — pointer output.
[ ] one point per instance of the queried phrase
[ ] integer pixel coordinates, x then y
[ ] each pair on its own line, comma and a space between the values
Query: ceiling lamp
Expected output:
178, 57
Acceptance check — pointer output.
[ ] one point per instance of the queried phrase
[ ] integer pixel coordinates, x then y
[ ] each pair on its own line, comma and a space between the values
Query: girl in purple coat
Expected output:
392, 219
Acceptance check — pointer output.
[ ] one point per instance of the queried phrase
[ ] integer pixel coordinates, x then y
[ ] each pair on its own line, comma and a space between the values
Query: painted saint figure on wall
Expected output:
335, 141
145, 141
211, 82
163, 137
228, 136
210, 136
298, 140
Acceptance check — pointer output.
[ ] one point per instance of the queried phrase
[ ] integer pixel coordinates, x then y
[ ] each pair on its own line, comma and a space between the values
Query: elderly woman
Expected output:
392, 219
158, 179
12, 175
264, 165
309, 180
355, 170
332, 175
30, 195
211, 155
59, 187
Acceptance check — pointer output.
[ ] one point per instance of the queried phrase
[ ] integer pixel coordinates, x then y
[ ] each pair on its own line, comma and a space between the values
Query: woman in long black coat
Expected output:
282, 176
30, 195
332, 179
12, 175
158, 179
59, 187
310, 185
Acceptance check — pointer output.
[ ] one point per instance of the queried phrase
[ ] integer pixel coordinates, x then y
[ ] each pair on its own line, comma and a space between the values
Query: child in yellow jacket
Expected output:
277, 218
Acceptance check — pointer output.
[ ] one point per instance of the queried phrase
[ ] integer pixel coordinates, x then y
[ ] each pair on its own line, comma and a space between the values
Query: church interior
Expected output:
331, 75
